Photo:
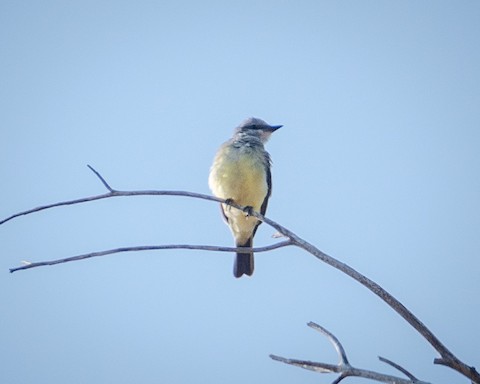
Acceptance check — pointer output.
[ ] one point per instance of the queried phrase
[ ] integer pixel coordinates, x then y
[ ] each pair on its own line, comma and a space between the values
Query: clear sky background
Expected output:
377, 164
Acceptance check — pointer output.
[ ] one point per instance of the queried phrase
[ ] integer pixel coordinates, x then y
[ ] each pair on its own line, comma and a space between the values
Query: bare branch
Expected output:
29, 265
343, 367
116, 193
400, 368
335, 342
62, 203
339, 378
101, 178
310, 365
447, 357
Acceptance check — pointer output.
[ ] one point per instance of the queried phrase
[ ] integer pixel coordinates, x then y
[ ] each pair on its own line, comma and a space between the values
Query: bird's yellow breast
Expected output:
239, 174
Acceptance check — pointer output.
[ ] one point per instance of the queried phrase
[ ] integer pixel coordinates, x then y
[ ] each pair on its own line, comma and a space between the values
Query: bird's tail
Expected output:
244, 261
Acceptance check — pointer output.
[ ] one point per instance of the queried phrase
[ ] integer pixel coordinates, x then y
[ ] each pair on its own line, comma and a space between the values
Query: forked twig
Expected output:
343, 368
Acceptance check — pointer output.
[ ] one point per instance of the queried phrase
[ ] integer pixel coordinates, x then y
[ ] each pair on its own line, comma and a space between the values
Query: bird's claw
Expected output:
248, 210
228, 203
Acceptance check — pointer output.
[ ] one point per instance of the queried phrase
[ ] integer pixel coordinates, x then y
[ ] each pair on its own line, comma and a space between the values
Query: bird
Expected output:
240, 173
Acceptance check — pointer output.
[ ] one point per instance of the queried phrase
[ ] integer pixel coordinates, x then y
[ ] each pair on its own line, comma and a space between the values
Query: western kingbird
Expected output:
241, 173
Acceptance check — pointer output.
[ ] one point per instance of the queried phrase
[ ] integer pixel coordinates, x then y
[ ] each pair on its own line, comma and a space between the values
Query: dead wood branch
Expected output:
29, 265
343, 368
447, 358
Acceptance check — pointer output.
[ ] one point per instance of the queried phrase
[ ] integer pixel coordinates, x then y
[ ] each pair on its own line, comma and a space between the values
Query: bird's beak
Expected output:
273, 128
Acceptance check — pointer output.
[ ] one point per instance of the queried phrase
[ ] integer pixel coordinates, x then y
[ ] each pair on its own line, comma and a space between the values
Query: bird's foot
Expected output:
248, 210
228, 202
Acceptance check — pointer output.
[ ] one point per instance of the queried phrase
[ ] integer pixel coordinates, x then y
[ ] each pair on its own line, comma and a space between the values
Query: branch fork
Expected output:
344, 368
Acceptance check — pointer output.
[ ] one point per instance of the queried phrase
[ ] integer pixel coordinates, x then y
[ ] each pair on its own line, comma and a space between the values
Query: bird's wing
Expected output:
263, 208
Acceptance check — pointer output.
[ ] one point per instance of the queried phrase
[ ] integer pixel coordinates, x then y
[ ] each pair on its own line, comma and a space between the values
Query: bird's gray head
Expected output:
254, 126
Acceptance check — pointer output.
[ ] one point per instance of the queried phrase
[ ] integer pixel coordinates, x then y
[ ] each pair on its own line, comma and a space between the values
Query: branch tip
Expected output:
342, 355
277, 358
101, 178
398, 367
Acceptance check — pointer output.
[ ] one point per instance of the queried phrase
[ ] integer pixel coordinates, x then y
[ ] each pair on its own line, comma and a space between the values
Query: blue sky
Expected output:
377, 164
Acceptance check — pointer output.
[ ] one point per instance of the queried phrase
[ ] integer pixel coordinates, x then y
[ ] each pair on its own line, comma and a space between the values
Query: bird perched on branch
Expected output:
241, 174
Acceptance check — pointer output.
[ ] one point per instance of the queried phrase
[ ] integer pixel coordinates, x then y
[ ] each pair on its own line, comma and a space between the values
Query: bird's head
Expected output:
257, 127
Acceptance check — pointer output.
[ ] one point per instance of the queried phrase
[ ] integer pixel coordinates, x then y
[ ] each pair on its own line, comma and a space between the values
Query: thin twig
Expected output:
29, 265
62, 203
101, 178
339, 378
117, 193
398, 367
310, 365
335, 342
